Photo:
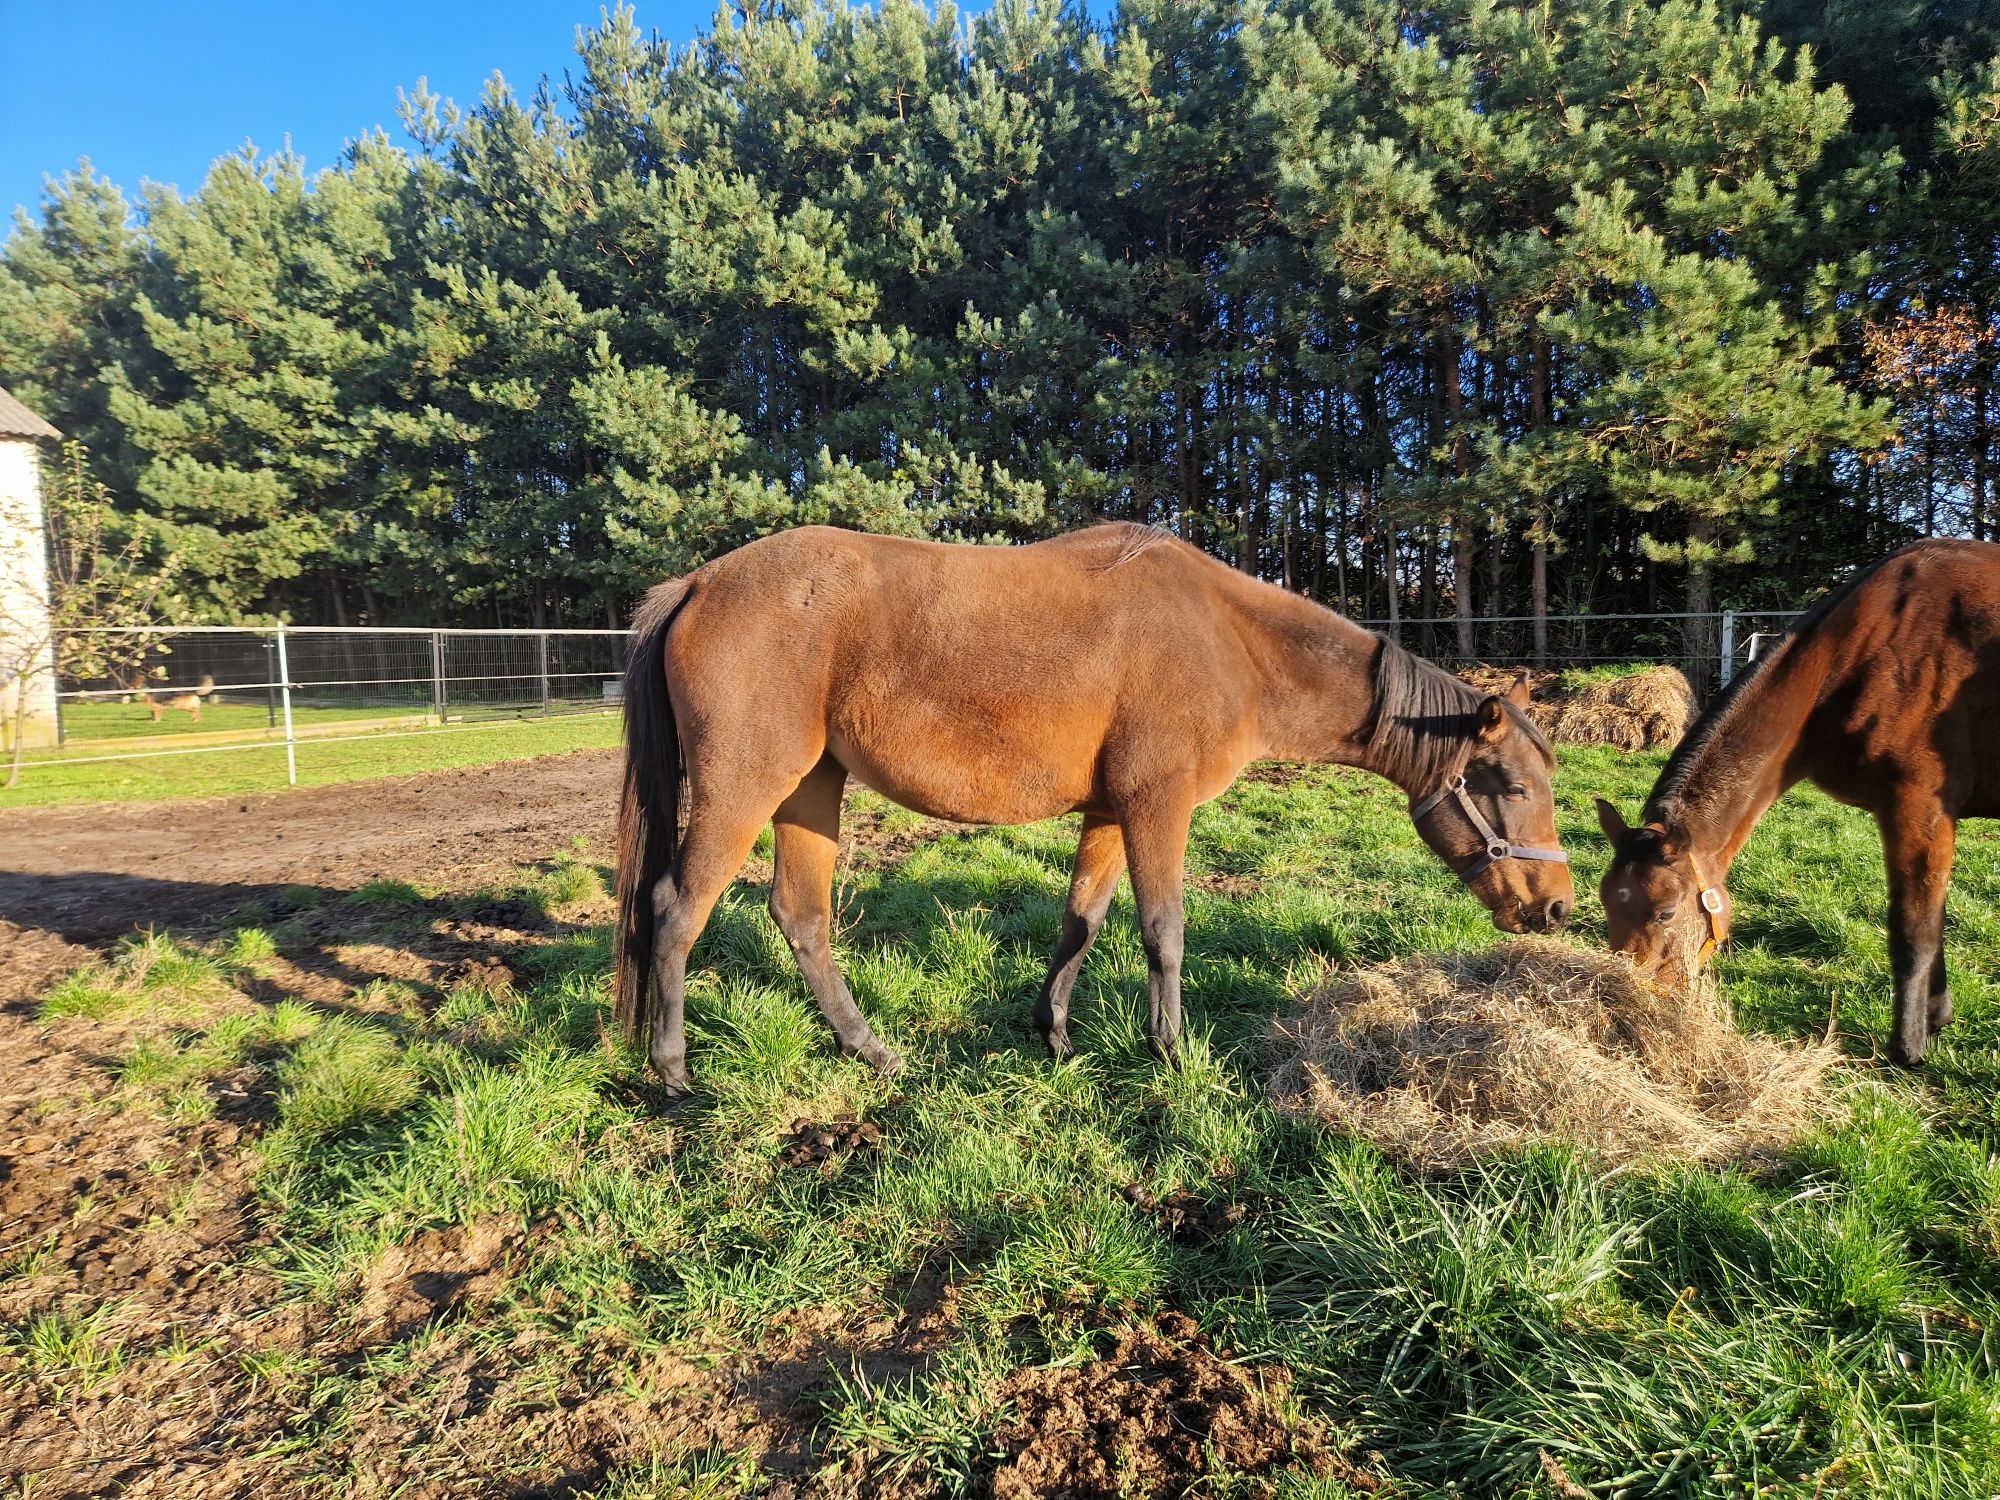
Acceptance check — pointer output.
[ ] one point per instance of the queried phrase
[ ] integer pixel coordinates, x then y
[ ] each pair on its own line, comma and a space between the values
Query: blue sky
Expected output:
159, 88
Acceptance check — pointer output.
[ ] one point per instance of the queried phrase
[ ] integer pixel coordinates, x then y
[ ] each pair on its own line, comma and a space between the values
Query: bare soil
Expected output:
1150, 1419
77, 877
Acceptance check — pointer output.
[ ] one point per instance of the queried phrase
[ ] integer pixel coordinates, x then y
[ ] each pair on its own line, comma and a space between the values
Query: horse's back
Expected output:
1917, 640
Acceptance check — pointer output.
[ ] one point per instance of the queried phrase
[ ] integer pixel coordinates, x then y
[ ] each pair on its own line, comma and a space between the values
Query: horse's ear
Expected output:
1673, 841
1613, 825
1519, 692
1492, 718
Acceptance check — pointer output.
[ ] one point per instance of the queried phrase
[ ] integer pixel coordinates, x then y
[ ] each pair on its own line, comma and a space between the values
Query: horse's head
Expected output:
1494, 822
1660, 906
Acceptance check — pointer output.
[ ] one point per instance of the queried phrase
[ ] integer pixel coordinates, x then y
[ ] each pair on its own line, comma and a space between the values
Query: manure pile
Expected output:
1441, 1058
1647, 710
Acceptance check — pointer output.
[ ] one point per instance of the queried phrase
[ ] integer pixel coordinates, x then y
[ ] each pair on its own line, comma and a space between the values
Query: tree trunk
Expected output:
1538, 557
1980, 439
1460, 523
1700, 604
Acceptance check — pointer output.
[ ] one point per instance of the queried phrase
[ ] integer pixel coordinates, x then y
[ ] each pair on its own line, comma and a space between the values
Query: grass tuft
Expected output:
344, 1075
69, 1352
386, 895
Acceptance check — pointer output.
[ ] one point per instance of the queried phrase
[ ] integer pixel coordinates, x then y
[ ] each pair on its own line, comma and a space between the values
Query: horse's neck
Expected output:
1316, 686
1746, 763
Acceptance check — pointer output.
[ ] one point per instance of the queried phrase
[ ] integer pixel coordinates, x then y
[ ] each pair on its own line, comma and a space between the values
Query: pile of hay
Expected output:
1646, 710
1441, 1058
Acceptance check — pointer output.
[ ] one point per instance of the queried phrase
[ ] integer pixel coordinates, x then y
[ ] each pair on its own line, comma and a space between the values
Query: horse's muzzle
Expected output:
1543, 916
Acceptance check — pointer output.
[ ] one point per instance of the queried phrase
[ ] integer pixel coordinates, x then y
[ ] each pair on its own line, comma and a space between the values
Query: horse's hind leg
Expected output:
1156, 834
1919, 843
718, 838
1100, 860
807, 831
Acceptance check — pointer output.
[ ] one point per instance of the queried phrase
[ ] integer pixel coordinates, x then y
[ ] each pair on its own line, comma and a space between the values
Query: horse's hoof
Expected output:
676, 1099
882, 1060
1168, 1052
1059, 1045
1905, 1057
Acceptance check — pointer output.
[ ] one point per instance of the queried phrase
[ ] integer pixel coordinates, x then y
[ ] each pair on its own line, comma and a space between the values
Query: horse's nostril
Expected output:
1557, 911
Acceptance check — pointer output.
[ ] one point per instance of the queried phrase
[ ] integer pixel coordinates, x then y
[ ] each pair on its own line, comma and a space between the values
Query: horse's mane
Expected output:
1681, 765
1134, 539
1423, 718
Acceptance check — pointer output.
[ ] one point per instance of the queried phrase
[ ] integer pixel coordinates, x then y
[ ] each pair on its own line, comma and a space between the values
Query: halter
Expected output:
1498, 846
1714, 904
1715, 907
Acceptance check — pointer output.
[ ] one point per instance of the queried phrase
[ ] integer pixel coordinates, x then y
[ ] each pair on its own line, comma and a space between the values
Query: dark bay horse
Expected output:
1885, 696
1115, 672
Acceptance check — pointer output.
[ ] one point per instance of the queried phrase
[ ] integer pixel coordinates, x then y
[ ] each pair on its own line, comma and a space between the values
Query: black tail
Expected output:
649, 831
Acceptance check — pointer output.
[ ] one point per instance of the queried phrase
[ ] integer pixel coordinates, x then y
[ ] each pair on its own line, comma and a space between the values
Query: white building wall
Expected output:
24, 594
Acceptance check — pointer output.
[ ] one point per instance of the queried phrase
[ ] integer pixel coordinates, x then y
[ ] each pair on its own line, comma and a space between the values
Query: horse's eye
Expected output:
1667, 916
1517, 791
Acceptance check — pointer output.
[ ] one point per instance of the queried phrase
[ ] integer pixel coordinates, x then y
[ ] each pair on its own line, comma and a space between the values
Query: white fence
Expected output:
207, 690
1708, 648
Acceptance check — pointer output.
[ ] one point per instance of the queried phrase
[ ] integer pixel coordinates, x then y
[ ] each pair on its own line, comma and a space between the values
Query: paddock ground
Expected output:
335, 1183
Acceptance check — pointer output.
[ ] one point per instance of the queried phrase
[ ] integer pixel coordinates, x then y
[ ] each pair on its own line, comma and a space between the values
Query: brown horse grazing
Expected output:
1115, 672
1887, 697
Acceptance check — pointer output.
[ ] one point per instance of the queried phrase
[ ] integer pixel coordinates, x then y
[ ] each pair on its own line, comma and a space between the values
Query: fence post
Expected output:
1728, 644
55, 677
542, 641
285, 692
437, 674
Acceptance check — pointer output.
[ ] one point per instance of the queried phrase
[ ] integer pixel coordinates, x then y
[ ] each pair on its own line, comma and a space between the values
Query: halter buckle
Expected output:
1711, 901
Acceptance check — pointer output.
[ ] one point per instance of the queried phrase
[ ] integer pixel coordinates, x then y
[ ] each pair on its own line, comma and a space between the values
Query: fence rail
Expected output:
205, 690
212, 689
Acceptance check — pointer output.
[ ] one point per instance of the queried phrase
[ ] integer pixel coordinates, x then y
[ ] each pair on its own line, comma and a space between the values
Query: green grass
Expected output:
1816, 1325
67, 1351
153, 975
110, 720
232, 772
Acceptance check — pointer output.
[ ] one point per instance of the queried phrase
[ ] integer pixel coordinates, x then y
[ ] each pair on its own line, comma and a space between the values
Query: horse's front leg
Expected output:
1156, 832
1100, 860
1919, 842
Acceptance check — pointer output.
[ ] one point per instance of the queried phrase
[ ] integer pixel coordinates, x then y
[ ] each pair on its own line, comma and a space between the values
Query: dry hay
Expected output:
1646, 710
1441, 1058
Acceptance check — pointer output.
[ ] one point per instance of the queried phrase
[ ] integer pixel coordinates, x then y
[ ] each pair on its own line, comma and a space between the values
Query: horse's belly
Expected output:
970, 775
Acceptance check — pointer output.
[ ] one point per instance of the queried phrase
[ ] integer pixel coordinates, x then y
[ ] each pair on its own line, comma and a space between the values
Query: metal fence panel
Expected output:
208, 689
202, 689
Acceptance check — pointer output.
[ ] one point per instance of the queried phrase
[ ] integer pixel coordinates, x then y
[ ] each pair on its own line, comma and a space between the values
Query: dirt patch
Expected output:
821, 1146
459, 1267
1152, 1418
131, 1291
1184, 1217
78, 877
487, 973
1232, 887
1442, 1058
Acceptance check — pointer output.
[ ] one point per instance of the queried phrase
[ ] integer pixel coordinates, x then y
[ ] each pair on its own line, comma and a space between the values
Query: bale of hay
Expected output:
1648, 710
1488, 678
1443, 1058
